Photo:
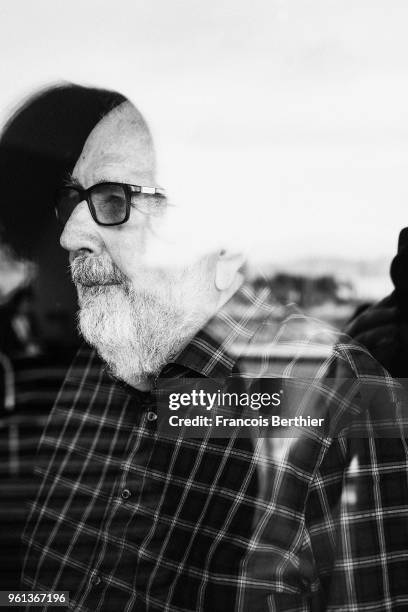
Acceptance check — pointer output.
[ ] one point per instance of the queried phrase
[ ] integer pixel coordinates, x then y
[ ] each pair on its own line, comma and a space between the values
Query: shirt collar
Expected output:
215, 349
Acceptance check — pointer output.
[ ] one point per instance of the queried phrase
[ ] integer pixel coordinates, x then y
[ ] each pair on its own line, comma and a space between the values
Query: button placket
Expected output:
146, 409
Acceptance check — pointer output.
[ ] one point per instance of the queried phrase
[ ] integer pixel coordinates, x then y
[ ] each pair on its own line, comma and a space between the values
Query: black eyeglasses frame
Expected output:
128, 189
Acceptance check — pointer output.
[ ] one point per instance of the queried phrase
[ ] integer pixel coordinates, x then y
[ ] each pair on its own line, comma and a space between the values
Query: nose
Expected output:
80, 232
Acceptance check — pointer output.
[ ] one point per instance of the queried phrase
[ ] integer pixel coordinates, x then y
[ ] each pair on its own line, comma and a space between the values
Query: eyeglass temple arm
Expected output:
148, 190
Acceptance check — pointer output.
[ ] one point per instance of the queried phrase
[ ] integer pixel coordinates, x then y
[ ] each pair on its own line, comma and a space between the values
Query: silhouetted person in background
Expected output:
383, 327
18, 329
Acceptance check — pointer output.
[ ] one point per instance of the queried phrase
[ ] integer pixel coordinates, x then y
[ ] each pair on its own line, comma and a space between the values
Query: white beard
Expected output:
136, 334
137, 331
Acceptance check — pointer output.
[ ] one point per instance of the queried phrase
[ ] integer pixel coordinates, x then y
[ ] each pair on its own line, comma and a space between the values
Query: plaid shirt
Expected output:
128, 519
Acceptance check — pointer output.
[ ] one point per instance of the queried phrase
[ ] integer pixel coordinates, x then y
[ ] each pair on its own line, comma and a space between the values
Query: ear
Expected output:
226, 270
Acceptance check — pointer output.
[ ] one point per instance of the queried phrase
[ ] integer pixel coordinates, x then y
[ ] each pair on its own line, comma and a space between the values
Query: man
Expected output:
129, 517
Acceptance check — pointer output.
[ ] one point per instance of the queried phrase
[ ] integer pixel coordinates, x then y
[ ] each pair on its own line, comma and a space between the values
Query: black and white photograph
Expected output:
204, 305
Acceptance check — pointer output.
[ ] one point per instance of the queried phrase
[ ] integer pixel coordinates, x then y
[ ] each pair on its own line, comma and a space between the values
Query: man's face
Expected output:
135, 308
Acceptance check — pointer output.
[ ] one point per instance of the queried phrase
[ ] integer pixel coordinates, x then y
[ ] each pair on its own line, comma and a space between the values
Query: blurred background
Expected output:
285, 124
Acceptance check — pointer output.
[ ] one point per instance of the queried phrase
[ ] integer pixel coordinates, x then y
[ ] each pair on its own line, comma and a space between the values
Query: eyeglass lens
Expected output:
108, 202
67, 200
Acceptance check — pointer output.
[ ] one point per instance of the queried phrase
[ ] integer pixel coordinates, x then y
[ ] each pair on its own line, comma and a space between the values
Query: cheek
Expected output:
139, 243
127, 248
169, 286
160, 282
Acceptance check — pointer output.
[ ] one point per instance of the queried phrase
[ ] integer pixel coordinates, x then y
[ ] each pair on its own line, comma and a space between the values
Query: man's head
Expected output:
136, 308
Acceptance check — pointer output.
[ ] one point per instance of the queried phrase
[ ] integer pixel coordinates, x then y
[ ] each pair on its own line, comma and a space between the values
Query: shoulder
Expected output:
291, 343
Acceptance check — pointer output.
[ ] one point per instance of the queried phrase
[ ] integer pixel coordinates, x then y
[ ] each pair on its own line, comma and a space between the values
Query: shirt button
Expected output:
126, 494
96, 580
151, 416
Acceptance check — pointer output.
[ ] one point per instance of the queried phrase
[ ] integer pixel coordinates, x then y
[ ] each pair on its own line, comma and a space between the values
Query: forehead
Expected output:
119, 148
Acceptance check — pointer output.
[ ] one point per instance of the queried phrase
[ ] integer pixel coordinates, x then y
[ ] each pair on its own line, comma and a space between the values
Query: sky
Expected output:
279, 124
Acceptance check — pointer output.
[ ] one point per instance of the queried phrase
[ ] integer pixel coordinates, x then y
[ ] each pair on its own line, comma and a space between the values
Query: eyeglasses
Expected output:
108, 203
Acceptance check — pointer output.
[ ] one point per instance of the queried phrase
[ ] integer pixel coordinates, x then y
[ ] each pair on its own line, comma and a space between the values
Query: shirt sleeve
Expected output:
356, 512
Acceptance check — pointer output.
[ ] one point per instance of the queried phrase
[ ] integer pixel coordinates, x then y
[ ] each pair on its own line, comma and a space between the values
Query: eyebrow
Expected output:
71, 181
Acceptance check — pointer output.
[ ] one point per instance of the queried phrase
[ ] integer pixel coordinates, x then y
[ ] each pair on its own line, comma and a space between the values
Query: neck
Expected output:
228, 293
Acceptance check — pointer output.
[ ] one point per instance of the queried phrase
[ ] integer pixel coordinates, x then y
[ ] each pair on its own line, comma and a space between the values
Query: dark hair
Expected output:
39, 144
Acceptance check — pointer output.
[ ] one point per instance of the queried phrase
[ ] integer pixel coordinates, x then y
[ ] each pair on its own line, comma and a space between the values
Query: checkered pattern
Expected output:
127, 519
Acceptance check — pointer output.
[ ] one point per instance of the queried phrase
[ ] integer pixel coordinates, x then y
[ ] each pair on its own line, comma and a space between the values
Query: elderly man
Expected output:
129, 517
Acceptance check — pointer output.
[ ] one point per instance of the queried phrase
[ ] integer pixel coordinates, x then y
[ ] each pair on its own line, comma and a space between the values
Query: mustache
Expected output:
89, 270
